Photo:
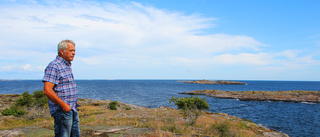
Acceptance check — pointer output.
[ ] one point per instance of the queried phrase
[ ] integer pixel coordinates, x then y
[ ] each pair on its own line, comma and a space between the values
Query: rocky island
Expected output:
217, 82
97, 119
284, 96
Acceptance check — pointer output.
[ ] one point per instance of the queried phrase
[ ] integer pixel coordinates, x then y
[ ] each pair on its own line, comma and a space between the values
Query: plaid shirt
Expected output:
59, 72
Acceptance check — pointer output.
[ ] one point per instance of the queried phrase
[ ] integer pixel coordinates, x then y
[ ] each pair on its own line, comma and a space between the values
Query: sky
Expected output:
164, 39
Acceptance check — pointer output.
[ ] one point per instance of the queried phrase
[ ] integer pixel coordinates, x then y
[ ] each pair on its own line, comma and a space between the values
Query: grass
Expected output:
162, 121
171, 121
13, 122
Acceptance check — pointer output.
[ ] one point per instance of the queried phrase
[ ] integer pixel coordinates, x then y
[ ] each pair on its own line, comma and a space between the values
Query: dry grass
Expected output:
164, 122
170, 122
10, 122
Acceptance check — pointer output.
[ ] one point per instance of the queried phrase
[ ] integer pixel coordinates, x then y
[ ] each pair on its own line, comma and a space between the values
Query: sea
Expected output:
295, 119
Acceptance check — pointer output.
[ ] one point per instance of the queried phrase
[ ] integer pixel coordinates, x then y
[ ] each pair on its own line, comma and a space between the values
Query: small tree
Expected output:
113, 105
191, 107
26, 100
13, 111
40, 98
40, 104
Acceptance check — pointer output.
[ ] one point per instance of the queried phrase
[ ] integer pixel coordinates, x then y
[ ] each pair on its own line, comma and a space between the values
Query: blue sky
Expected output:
164, 39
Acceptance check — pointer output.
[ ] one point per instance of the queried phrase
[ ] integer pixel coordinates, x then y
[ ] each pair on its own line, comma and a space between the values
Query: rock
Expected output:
283, 96
10, 133
223, 82
117, 130
275, 134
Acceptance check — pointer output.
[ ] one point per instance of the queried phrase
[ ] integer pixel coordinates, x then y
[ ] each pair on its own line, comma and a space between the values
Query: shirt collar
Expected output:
63, 60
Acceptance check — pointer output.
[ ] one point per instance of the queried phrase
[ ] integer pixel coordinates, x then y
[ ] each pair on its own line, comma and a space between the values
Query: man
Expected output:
60, 88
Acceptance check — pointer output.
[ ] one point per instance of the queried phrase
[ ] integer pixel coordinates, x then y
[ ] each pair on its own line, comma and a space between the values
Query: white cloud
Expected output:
22, 68
291, 59
241, 59
125, 35
261, 59
27, 67
7, 68
117, 26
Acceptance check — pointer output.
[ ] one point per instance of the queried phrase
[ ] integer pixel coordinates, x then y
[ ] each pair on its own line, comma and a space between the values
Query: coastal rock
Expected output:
98, 120
222, 82
295, 96
10, 133
105, 104
275, 134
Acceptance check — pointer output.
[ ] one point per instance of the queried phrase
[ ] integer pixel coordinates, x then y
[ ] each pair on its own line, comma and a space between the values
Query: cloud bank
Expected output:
131, 40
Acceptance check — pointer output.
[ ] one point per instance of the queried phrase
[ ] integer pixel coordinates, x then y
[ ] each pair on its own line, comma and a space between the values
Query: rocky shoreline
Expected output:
216, 82
295, 96
96, 119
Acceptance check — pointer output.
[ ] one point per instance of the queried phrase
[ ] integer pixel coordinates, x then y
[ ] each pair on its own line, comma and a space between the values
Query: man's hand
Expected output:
49, 92
66, 107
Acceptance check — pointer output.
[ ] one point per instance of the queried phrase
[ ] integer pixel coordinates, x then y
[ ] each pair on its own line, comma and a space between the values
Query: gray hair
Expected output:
64, 45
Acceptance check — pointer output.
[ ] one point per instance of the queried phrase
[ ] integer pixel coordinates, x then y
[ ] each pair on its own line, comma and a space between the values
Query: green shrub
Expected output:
190, 103
40, 98
223, 128
37, 100
248, 120
128, 108
13, 111
98, 104
113, 105
26, 100
191, 107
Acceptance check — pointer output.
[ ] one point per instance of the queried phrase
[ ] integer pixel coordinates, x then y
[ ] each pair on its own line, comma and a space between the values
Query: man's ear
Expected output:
61, 52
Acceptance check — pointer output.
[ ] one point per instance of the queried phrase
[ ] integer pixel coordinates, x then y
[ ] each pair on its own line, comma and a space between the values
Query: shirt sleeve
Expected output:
51, 74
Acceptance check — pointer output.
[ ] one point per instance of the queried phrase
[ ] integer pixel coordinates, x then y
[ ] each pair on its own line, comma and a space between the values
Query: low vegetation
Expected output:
191, 107
100, 118
284, 96
113, 105
26, 103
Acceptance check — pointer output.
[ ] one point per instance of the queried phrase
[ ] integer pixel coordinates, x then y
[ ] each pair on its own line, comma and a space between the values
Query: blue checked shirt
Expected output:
59, 72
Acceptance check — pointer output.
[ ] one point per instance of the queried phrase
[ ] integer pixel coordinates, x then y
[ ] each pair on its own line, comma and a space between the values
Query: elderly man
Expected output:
60, 88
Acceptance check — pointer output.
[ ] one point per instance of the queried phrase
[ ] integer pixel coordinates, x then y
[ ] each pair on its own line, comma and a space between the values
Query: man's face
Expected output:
69, 53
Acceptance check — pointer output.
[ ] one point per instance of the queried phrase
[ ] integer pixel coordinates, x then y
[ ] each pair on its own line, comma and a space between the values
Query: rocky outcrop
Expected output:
98, 120
284, 96
221, 82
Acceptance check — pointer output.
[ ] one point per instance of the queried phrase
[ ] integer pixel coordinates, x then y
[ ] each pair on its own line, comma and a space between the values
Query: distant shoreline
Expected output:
296, 96
215, 82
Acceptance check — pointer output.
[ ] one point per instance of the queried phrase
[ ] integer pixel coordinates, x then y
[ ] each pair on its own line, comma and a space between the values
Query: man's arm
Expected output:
49, 92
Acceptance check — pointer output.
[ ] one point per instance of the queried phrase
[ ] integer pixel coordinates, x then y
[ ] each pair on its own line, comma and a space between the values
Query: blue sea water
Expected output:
295, 119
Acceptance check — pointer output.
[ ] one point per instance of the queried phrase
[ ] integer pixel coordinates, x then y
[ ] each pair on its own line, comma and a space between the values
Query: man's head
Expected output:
66, 50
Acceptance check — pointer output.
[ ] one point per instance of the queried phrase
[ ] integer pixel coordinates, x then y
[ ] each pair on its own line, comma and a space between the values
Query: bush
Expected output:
40, 98
223, 128
113, 105
26, 100
128, 108
37, 101
13, 111
190, 103
192, 107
